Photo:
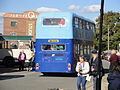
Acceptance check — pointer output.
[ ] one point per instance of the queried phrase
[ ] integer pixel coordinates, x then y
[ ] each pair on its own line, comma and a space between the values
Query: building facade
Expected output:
20, 24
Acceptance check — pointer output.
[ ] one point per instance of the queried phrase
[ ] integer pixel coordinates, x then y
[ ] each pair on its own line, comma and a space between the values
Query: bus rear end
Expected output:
54, 39
54, 56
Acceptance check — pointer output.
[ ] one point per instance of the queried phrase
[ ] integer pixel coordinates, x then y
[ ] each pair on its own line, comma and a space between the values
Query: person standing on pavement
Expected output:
118, 54
21, 59
94, 68
113, 59
82, 68
114, 78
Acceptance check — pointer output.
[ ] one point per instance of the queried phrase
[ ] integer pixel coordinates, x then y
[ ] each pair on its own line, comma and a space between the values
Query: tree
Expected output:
111, 24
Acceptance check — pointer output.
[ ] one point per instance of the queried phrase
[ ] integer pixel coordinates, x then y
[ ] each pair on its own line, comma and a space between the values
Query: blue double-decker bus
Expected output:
60, 37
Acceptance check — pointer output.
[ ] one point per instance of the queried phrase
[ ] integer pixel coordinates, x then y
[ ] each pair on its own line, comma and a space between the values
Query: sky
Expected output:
87, 8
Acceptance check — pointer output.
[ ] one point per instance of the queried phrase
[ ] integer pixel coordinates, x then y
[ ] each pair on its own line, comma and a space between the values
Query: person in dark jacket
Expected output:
118, 54
94, 68
114, 78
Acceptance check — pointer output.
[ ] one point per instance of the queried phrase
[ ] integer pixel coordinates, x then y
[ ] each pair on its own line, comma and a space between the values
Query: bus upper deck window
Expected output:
54, 21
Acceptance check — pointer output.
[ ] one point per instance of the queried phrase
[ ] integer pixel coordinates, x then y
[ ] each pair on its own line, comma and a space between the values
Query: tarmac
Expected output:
89, 85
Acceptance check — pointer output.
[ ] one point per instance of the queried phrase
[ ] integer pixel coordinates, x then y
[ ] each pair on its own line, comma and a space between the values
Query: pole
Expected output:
119, 47
108, 38
99, 78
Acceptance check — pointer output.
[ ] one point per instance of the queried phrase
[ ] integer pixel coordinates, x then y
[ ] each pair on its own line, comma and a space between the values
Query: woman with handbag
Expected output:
82, 68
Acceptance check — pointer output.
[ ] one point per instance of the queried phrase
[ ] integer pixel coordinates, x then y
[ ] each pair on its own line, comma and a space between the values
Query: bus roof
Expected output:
15, 37
89, 20
62, 13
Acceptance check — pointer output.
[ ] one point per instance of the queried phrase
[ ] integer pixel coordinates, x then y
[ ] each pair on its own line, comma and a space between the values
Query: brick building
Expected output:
20, 24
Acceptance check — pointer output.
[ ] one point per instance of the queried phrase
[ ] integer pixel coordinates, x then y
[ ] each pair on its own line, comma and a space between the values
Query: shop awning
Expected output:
15, 37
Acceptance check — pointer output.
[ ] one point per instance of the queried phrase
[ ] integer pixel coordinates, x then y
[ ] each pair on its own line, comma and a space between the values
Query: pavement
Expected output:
104, 84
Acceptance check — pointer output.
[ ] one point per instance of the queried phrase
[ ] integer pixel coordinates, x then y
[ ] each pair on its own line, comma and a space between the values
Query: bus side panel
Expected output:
54, 61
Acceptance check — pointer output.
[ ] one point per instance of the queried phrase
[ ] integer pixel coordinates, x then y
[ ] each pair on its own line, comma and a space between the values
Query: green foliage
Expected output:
111, 23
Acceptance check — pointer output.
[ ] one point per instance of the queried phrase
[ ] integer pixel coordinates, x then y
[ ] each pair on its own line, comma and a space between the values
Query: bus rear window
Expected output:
53, 47
53, 21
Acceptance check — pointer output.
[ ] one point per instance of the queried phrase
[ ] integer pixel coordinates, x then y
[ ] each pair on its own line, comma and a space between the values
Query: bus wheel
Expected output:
9, 61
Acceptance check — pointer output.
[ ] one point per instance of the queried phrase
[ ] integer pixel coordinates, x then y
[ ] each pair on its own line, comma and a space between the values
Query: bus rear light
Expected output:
37, 66
69, 66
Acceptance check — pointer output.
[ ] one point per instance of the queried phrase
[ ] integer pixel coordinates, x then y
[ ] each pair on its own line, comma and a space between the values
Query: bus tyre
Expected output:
9, 61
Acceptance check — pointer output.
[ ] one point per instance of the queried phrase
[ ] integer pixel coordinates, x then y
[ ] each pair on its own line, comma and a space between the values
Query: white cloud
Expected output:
46, 9
91, 8
74, 7
1, 14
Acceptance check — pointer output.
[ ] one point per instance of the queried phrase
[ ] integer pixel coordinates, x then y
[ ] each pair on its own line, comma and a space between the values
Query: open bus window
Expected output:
46, 47
60, 47
54, 21
53, 47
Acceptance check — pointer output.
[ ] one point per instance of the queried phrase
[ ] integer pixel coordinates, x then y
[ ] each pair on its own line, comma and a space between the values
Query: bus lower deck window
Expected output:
53, 47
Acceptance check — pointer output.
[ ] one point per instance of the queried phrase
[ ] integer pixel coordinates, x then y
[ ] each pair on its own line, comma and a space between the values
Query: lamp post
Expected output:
108, 38
99, 78
119, 47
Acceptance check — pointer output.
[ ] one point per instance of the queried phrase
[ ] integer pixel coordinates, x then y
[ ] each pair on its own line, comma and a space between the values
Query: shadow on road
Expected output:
7, 70
4, 77
58, 75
